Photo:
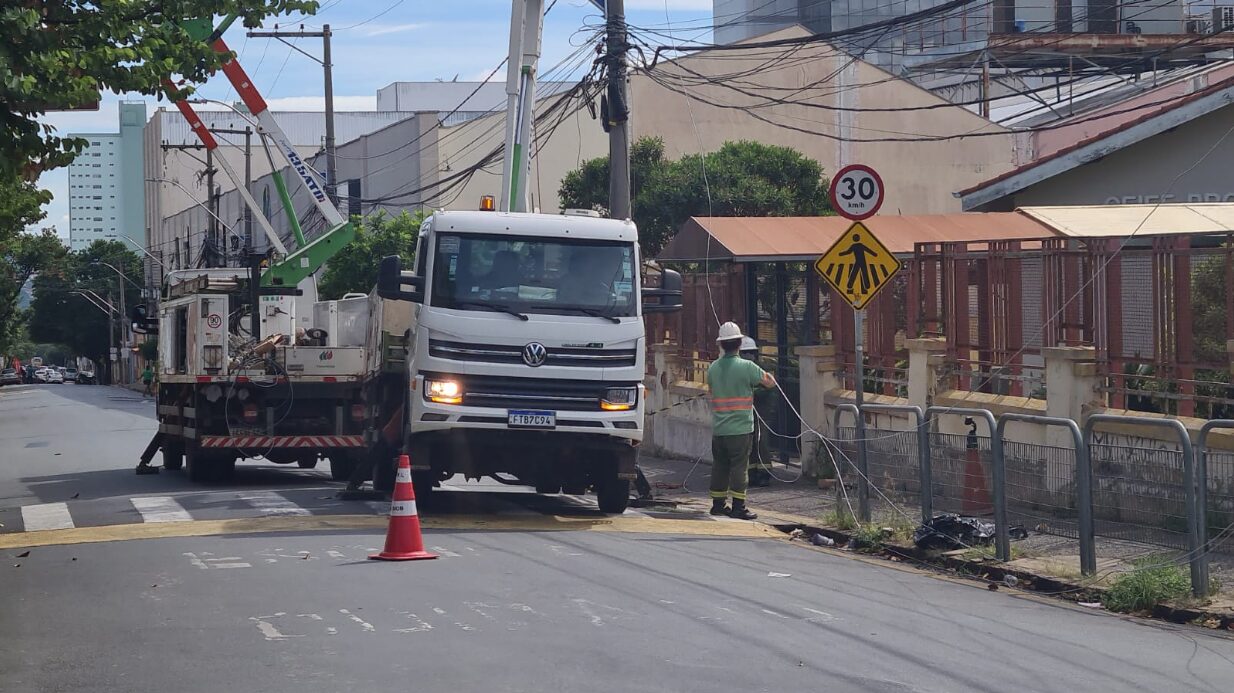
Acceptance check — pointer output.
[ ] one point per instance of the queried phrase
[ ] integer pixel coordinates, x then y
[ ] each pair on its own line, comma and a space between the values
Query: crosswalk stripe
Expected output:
271, 503
46, 516
160, 509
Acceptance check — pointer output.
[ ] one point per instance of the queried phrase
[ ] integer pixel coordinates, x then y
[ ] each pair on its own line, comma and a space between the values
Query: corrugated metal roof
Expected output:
1113, 221
798, 239
305, 128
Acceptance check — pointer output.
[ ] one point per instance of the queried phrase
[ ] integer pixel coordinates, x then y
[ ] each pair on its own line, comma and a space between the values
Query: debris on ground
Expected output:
951, 531
822, 540
1091, 605
1011, 580
779, 575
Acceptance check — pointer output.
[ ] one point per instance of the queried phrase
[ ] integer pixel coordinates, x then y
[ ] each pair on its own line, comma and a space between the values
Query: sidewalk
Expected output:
793, 498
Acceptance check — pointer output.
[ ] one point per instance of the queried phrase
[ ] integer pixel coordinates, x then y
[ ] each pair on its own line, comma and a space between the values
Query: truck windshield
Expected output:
534, 275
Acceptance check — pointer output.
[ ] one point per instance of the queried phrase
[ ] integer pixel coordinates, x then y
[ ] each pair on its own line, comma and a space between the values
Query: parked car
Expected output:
55, 376
70, 375
40, 375
9, 376
85, 378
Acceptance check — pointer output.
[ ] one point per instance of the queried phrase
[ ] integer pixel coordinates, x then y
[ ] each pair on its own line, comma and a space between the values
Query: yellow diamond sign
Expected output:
858, 266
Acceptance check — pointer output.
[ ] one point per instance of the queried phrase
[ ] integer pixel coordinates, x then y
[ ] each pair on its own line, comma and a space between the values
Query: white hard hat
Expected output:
748, 344
729, 330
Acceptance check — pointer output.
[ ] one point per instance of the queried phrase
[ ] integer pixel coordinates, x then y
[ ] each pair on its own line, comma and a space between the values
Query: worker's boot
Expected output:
741, 512
718, 507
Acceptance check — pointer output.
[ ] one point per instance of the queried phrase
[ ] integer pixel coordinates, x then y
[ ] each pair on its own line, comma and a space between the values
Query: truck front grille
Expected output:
557, 356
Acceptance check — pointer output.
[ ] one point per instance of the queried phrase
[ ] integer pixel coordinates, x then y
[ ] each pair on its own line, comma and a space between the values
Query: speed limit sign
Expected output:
856, 192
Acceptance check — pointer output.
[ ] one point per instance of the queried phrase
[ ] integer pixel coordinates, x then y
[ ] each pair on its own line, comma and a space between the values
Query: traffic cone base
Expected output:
403, 539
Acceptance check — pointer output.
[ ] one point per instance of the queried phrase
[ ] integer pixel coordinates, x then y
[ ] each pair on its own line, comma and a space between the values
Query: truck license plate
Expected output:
527, 418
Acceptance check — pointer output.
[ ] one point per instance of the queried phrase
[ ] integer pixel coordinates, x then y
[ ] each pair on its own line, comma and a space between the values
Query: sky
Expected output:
377, 42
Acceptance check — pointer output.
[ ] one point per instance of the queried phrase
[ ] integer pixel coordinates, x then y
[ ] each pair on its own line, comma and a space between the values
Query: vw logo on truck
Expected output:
534, 354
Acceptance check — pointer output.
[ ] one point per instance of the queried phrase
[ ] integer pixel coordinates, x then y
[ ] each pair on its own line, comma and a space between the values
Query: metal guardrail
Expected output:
1083, 480
1195, 474
1002, 539
1197, 556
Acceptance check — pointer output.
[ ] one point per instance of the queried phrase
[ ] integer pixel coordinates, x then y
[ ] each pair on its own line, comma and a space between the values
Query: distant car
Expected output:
85, 378
70, 375
40, 375
9, 376
55, 376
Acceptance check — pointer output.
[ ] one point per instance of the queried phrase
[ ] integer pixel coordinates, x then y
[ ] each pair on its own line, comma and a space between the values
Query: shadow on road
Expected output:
109, 483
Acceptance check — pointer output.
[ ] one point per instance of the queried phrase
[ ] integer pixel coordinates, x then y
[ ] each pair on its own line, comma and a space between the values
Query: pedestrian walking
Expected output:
732, 381
147, 377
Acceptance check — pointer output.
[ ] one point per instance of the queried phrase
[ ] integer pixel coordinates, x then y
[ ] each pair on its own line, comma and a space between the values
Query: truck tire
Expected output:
613, 495
549, 487
200, 465
342, 464
173, 456
383, 474
307, 462
423, 483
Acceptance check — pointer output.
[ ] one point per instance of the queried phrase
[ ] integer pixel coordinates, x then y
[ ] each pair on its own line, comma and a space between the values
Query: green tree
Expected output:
354, 269
60, 314
21, 256
740, 179
59, 54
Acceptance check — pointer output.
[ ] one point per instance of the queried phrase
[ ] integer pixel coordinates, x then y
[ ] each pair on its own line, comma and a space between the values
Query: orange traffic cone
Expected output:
976, 499
403, 540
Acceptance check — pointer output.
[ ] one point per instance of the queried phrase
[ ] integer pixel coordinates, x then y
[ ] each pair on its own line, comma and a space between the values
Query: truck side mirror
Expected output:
666, 298
395, 284
142, 323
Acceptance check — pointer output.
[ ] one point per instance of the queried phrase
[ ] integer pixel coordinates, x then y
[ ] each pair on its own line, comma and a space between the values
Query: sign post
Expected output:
858, 266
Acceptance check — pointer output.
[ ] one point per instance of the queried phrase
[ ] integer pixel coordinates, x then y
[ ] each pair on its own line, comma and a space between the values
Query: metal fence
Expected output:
1163, 494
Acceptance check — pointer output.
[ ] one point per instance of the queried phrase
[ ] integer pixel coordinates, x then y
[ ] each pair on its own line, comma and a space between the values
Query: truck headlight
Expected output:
443, 391
619, 399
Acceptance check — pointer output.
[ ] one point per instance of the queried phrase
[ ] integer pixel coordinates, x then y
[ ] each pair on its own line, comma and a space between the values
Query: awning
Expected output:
804, 239
1124, 221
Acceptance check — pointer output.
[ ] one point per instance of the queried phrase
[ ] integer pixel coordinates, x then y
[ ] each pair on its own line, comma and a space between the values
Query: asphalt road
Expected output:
652, 608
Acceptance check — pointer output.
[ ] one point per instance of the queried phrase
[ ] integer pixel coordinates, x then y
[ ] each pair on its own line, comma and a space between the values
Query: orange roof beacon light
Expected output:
487, 204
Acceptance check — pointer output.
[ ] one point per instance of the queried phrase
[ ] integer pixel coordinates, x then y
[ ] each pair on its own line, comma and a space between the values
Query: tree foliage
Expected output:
59, 54
21, 256
740, 179
354, 269
60, 314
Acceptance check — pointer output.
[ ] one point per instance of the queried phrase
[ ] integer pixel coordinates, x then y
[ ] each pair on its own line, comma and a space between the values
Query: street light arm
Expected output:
117, 271
93, 303
147, 252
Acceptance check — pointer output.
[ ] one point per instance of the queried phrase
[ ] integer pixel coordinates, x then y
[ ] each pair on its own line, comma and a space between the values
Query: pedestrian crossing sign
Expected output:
858, 266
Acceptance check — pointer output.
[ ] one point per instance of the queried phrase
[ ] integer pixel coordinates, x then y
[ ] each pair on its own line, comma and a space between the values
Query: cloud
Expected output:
395, 29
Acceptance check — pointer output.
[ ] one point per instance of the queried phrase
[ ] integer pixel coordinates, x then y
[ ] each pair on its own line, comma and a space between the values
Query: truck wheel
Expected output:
224, 467
383, 474
342, 464
173, 456
613, 495
200, 465
551, 487
307, 462
423, 483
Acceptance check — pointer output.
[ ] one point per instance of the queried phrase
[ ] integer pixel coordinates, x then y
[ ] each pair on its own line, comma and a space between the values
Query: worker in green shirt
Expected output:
764, 406
732, 381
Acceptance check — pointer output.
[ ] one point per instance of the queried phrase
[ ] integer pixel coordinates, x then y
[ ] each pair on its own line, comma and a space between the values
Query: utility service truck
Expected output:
526, 352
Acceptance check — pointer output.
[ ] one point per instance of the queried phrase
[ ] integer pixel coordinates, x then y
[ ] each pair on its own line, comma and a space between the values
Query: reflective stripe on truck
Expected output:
282, 441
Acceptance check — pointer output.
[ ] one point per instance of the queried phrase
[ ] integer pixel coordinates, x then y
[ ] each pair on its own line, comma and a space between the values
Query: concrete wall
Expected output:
919, 176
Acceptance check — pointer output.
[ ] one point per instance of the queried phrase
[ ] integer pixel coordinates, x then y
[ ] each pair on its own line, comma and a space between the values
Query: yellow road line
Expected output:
321, 523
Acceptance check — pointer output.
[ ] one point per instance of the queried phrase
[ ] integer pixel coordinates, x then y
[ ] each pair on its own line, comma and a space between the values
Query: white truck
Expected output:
526, 354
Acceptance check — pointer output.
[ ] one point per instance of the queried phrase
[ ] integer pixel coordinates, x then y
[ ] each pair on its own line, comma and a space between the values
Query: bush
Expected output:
1149, 584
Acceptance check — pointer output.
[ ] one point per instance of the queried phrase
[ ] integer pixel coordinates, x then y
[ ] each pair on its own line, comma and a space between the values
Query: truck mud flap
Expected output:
270, 442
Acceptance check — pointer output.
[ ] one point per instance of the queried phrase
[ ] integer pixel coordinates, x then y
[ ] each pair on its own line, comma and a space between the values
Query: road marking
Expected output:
820, 617
372, 523
335, 554
45, 516
223, 563
368, 627
269, 630
160, 509
420, 627
773, 613
271, 503
445, 552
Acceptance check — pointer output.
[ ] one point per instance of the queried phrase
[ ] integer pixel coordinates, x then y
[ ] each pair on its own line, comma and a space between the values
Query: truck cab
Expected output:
527, 350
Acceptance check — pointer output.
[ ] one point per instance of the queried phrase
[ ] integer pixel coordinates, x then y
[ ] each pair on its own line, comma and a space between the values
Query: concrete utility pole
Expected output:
328, 67
213, 201
618, 113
